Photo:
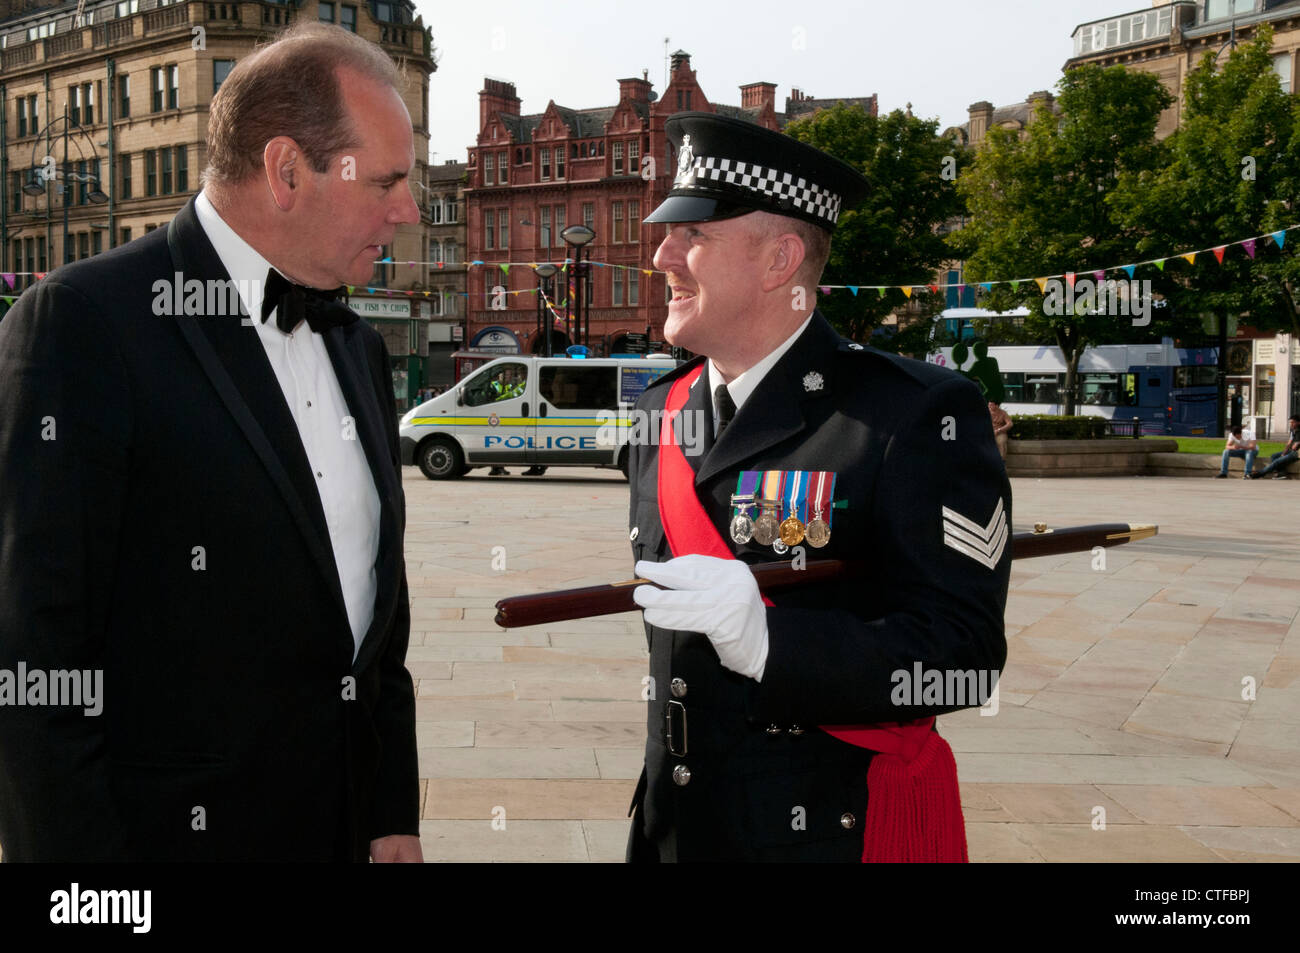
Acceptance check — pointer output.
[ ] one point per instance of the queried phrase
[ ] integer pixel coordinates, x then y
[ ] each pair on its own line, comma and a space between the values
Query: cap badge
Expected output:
685, 163
812, 381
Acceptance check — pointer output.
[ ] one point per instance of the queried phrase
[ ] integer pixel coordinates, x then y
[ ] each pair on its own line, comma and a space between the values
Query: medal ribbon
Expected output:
914, 812
746, 484
796, 494
819, 503
772, 484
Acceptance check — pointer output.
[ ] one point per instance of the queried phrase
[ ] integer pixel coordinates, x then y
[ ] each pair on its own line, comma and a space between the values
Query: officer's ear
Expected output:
784, 261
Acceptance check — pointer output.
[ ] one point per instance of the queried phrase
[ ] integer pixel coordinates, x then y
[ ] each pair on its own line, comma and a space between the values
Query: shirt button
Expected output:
678, 687
847, 820
633, 535
308, 403
681, 775
319, 475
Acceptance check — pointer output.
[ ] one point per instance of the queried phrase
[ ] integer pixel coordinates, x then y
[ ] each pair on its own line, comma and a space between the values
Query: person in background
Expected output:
1002, 425
1238, 446
1287, 455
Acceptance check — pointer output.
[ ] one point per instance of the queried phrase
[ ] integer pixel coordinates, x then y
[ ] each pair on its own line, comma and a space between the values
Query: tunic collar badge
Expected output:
812, 381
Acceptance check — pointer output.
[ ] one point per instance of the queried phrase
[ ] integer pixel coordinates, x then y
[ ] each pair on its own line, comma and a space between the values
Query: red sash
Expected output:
914, 808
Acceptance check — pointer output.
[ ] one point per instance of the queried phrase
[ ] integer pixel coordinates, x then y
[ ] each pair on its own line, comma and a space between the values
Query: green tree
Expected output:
1231, 172
893, 237
1039, 206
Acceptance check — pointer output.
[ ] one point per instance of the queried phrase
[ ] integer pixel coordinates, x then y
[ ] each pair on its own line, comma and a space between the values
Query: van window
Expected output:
501, 382
585, 386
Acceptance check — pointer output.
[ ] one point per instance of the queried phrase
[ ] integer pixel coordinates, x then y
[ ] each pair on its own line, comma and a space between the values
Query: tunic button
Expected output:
681, 775
796, 730
847, 821
633, 535
678, 687
773, 729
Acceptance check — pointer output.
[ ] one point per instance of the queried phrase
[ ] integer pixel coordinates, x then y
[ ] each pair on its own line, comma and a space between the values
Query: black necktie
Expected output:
294, 304
726, 407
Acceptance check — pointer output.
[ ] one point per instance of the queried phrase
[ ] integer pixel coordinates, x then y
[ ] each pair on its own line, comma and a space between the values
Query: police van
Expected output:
539, 411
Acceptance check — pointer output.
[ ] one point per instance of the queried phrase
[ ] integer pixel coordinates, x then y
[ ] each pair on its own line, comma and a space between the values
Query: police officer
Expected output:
764, 719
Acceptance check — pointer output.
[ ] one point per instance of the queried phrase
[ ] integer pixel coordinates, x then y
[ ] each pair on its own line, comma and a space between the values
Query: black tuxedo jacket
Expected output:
159, 522
906, 440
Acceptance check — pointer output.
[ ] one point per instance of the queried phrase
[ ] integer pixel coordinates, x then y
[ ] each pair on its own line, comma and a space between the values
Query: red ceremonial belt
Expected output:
914, 811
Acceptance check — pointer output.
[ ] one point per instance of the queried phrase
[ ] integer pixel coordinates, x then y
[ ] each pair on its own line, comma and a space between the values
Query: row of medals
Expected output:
767, 530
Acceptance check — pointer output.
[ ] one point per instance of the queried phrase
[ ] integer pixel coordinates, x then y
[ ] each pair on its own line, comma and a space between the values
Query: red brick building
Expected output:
532, 176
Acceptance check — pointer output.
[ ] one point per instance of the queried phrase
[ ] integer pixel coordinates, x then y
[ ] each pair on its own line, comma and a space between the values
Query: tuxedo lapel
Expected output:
235, 362
699, 407
775, 410
347, 351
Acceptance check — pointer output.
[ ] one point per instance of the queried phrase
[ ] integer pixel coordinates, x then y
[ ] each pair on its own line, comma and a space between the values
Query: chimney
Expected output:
636, 89
756, 95
981, 117
681, 59
496, 96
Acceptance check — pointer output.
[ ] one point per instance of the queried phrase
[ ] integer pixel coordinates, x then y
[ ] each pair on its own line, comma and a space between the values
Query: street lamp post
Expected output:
579, 237
545, 275
43, 173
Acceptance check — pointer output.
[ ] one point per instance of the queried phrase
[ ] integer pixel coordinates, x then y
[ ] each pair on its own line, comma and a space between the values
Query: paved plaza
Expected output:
1123, 691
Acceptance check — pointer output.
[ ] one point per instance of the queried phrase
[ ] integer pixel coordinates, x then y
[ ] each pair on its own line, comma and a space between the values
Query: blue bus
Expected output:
1171, 390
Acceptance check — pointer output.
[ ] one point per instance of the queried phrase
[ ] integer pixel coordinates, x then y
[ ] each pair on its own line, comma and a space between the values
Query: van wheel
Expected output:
622, 462
440, 459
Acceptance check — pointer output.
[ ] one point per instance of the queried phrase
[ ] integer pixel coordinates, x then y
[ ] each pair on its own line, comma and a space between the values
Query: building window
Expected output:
453, 211
616, 213
325, 12
545, 155
617, 298
559, 162
1282, 66
128, 7
88, 103
126, 234
544, 236
633, 157
16, 193
589, 215
618, 159
449, 257
220, 70
1222, 9
633, 287
634, 221
125, 161
489, 226
348, 18
83, 245
182, 169
502, 165
489, 164
96, 242
557, 241
173, 87
156, 85
166, 171
124, 96
150, 173
83, 170
503, 227
435, 251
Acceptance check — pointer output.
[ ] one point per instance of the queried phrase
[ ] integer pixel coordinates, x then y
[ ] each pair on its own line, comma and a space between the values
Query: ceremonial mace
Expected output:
584, 603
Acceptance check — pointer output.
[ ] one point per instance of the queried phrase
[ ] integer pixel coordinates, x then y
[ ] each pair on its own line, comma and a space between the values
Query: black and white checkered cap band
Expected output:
806, 196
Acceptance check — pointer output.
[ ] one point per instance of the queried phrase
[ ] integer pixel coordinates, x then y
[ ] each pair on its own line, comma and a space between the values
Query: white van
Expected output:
536, 411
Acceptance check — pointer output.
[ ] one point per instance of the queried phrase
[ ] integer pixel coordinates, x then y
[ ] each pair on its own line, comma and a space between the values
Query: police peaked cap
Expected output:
728, 167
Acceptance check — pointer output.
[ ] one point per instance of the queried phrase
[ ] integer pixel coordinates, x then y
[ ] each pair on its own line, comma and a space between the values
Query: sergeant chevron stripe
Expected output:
984, 544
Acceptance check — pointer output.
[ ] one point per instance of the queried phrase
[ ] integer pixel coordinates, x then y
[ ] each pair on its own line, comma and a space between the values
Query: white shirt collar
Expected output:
746, 383
244, 263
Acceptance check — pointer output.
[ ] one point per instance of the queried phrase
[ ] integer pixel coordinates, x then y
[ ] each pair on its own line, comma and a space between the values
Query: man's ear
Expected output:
283, 163
786, 258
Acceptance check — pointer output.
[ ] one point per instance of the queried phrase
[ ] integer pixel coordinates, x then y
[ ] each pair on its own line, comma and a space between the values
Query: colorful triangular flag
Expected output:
1130, 269
1218, 253
1042, 285
1280, 237
9, 276
1190, 257
1069, 278
907, 290
1249, 245
853, 289
1160, 263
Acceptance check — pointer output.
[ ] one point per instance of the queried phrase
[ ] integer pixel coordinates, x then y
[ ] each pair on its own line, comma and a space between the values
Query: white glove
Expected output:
717, 597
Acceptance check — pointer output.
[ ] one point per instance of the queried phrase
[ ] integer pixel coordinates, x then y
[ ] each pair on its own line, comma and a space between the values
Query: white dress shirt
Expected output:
311, 389
744, 384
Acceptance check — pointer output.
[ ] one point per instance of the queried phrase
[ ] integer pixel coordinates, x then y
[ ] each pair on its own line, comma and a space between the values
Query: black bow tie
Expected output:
294, 304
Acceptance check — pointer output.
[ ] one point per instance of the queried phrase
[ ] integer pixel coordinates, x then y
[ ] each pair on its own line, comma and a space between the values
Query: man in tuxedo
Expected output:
202, 503
800, 727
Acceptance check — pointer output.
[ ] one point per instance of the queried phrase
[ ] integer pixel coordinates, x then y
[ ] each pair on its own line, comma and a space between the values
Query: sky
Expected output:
940, 55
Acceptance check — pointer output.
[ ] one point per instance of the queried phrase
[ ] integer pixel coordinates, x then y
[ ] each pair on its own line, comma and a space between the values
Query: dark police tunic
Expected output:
747, 775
